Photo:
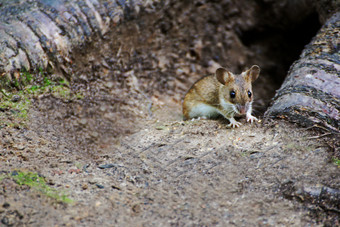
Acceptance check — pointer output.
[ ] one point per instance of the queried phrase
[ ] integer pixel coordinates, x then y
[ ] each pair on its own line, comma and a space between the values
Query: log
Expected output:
310, 94
41, 34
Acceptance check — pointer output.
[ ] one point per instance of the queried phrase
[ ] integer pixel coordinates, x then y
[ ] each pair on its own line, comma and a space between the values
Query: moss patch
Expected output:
38, 183
15, 102
336, 161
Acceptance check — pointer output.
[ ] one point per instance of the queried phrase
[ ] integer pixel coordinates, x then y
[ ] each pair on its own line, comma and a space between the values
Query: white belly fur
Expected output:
203, 110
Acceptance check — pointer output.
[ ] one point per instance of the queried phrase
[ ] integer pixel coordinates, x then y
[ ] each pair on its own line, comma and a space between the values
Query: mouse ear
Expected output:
224, 76
253, 73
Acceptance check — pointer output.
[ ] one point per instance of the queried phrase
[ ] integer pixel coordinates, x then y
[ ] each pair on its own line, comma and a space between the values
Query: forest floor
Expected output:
162, 171
167, 172
116, 152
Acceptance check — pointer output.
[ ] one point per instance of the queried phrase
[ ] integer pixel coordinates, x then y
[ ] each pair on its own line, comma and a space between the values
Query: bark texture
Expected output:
41, 33
310, 93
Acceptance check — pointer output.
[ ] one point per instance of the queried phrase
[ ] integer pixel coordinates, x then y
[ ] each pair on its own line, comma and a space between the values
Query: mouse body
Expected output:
222, 93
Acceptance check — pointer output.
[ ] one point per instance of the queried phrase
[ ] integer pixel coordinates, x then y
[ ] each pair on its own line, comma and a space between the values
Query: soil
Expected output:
124, 155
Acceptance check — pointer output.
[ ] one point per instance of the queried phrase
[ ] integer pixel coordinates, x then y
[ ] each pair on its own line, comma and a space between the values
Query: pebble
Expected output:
136, 208
16, 98
84, 186
94, 180
83, 121
53, 165
102, 108
107, 166
85, 168
99, 186
109, 85
15, 173
19, 146
94, 134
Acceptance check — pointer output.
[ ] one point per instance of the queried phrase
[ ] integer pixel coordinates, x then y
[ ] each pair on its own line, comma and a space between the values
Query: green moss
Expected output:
17, 105
20, 107
336, 161
16, 102
25, 77
38, 183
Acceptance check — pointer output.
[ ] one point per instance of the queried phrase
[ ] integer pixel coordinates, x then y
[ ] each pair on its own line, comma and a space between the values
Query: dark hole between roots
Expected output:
283, 45
276, 47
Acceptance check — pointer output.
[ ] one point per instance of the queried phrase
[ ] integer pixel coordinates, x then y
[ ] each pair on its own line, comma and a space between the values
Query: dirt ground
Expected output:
125, 157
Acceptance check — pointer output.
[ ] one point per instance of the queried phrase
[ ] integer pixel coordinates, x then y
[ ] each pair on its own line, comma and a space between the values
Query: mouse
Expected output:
222, 93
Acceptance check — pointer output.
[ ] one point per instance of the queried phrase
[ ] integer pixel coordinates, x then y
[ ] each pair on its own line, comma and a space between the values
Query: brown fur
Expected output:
209, 90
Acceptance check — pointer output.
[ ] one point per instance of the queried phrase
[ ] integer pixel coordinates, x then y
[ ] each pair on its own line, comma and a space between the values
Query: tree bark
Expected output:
310, 93
41, 33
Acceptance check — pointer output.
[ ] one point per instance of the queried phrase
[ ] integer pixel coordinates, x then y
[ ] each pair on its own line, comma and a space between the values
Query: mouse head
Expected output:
237, 89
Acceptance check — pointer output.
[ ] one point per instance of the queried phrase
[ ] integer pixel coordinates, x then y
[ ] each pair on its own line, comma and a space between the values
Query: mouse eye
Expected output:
232, 94
249, 94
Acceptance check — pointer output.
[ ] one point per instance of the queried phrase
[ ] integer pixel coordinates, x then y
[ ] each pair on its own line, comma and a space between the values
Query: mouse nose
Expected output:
241, 109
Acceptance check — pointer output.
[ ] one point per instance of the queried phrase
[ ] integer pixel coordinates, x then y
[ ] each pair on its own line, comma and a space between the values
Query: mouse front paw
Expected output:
251, 118
233, 123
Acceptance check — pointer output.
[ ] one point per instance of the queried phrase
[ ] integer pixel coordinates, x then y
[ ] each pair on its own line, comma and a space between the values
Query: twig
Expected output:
317, 137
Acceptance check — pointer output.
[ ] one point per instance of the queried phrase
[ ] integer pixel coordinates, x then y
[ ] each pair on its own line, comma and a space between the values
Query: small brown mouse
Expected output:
222, 93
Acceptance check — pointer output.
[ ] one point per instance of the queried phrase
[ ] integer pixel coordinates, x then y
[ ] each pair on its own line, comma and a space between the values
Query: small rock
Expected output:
104, 63
95, 134
99, 186
84, 186
109, 84
136, 208
16, 98
6, 205
83, 121
53, 165
107, 166
85, 168
102, 108
19, 146
94, 180
115, 187
5, 221
83, 77
50, 182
